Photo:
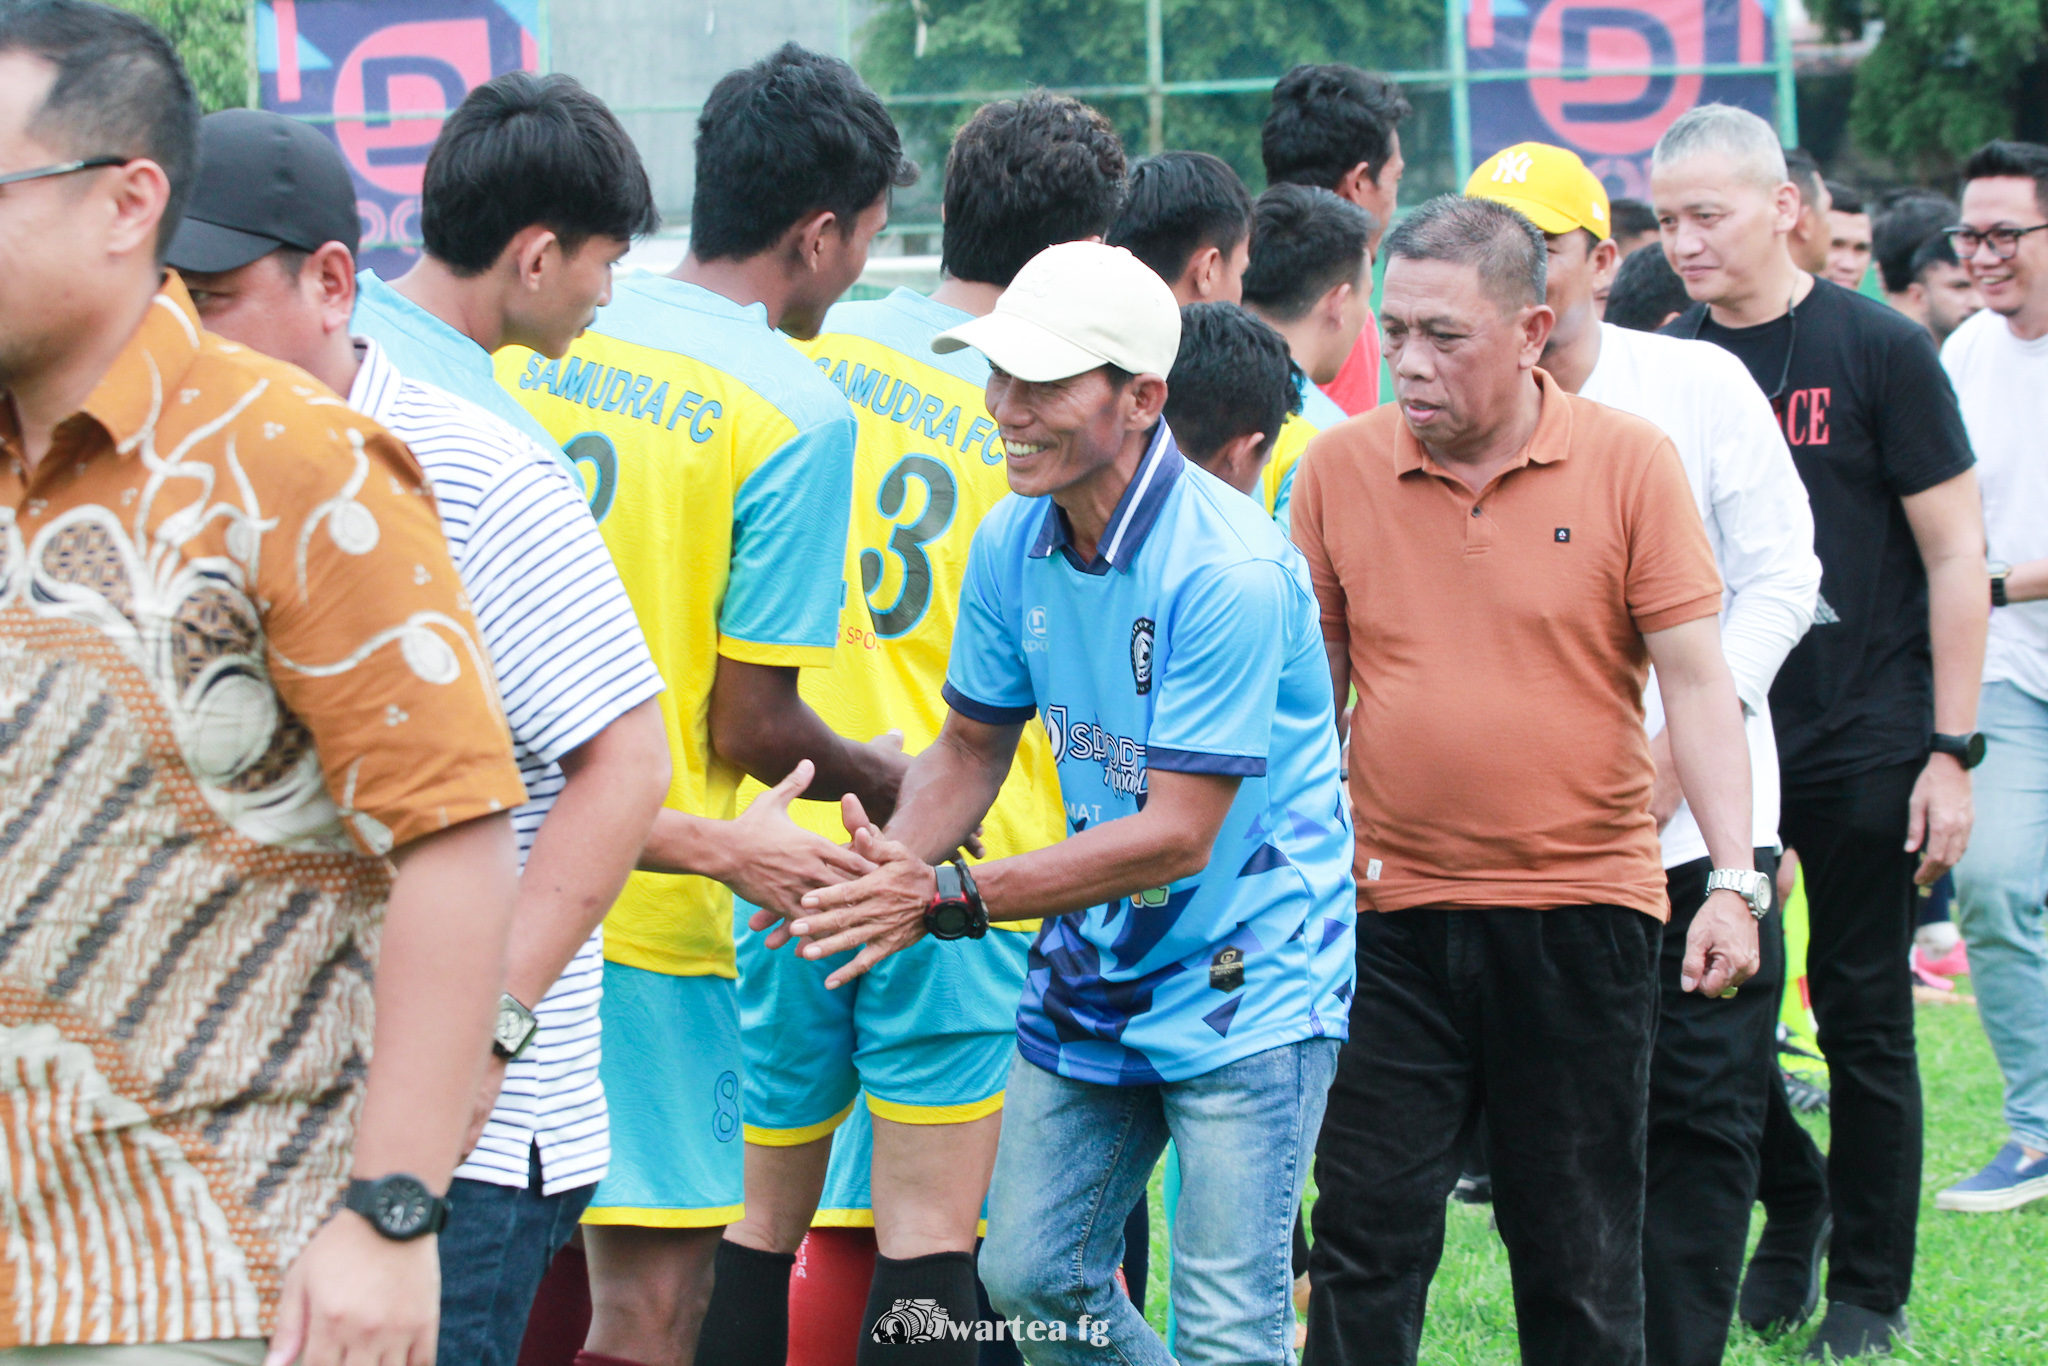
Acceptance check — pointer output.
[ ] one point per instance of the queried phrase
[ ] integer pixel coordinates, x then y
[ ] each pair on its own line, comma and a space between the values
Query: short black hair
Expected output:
794, 134
1177, 204
1646, 291
1305, 242
1936, 250
1024, 175
525, 149
2003, 157
1843, 199
1232, 375
1804, 173
1327, 118
1505, 248
1897, 232
120, 91
1628, 217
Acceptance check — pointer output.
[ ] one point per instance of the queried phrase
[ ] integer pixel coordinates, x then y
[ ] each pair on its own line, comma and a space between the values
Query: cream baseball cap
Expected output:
1074, 307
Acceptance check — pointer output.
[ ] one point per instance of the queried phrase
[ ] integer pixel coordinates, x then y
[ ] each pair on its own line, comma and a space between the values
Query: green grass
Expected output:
1980, 1295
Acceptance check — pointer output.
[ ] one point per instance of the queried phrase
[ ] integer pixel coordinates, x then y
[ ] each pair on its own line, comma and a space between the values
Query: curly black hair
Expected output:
1025, 175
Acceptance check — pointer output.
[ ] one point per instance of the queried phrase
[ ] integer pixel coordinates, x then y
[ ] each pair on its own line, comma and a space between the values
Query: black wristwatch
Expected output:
1967, 750
2000, 572
398, 1206
956, 911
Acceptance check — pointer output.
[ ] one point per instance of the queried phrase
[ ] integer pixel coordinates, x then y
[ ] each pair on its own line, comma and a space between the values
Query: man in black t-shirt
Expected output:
1874, 710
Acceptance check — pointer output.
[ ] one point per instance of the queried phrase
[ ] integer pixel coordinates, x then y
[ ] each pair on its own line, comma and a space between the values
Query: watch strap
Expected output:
1752, 886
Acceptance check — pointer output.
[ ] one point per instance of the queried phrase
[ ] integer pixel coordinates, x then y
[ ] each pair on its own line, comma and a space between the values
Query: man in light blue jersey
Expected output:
923, 1045
1193, 976
532, 194
1310, 280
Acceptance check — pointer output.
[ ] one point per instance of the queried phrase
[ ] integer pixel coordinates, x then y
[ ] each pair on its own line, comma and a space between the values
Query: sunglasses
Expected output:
2005, 242
64, 168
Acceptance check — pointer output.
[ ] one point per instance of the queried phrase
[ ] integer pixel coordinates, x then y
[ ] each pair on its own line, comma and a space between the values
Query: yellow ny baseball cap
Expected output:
1548, 185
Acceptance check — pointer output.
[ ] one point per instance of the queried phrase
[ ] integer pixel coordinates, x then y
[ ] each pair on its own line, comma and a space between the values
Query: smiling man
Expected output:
1498, 563
1999, 362
1194, 967
1874, 710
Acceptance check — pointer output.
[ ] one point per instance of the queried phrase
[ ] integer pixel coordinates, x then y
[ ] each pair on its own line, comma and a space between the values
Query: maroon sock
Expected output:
560, 1319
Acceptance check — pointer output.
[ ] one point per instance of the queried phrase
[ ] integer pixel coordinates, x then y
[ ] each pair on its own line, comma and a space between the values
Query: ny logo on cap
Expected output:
1512, 166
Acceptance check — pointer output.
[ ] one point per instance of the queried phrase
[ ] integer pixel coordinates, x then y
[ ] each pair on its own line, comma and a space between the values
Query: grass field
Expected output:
1981, 1288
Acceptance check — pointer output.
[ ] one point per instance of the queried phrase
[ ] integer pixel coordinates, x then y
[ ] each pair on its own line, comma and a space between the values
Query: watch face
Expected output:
949, 920
1975, 748
401, 1206
512, 1026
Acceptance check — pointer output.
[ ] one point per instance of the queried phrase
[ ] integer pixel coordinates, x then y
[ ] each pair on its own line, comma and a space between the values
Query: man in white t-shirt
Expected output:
1998, 362
1713, 1065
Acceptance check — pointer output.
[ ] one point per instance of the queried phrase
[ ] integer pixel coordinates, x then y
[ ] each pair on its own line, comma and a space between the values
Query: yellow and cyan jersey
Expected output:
1318, 412
719, 464
929, 468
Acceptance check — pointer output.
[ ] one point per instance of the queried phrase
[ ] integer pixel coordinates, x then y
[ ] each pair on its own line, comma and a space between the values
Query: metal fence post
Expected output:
249, 54
1155, 77
1788, 88
1461, 89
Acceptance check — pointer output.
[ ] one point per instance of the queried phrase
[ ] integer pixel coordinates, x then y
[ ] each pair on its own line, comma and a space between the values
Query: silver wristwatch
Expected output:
1753, 887
514, 1029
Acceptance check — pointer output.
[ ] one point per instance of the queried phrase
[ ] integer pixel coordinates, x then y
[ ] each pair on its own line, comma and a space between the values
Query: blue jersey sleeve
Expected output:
1219, 659
789, 545
987, 679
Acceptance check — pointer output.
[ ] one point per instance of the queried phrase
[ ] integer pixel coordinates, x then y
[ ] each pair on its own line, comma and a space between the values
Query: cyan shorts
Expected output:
927, 1033
671, 1073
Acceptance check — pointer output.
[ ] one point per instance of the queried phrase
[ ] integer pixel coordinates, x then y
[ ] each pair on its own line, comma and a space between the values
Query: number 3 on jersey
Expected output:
907, 541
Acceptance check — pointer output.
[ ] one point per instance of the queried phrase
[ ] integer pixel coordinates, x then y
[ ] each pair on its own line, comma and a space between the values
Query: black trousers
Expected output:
1860, 906
1544, 1017
1710, 1080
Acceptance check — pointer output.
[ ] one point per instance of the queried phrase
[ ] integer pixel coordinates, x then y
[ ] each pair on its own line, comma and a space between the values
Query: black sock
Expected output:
747, 1322
931, 1299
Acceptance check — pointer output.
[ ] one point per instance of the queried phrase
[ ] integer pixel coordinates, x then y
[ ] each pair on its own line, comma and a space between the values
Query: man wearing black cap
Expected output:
267, 245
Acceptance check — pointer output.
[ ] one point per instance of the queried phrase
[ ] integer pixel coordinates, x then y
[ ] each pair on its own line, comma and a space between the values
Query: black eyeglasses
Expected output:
64, 168
2005, 242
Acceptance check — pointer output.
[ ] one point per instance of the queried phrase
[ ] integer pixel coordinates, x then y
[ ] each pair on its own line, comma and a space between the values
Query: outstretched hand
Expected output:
881, 912
774, 861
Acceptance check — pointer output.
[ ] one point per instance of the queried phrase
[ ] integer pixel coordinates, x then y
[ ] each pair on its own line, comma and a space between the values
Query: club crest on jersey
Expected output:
1141, 654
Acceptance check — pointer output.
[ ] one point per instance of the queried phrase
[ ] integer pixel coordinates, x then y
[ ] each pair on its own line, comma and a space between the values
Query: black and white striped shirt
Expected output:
570, 660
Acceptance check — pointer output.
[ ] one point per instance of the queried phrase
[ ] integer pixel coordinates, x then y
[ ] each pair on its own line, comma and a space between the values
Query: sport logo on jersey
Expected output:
1141, 654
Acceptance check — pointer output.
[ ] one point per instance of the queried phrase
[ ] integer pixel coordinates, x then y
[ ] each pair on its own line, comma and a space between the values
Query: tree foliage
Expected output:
933, 46
1944, 76
212, 37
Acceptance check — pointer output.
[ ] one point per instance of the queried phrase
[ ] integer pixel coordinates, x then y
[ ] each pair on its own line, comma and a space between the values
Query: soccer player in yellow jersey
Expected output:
1311, 279
930, 1035
720, 464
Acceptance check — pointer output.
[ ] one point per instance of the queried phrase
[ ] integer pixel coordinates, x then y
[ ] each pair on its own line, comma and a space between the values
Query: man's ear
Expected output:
1535, 322
1330, 308
139, 193
1147, 394
330, 275
1244, 458
1204, 268
806, 239
529, 252
1606, 254
1357, 181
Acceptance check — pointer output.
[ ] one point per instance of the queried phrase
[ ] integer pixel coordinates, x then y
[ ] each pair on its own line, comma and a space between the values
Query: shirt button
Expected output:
1475, 509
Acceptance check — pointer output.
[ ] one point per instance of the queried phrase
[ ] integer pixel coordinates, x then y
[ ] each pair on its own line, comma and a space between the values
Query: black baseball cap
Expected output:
265, 181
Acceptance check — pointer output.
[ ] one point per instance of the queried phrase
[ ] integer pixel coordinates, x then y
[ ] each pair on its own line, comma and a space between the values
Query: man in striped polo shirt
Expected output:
571, 663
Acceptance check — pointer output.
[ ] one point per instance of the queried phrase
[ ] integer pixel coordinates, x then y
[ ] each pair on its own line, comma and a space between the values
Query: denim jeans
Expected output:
1999, 889
494, 1251
1076, 1156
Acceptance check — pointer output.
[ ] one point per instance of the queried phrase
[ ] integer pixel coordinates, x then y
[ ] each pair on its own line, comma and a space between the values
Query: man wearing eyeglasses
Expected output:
1874, 710
1999, 362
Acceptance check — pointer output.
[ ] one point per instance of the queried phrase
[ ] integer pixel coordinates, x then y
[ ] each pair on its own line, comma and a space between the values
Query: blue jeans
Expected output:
1076, 1157
1999, 889
495, 1249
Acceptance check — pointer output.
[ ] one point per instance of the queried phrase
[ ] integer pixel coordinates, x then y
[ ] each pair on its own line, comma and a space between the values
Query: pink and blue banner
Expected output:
358, 68
1570, 97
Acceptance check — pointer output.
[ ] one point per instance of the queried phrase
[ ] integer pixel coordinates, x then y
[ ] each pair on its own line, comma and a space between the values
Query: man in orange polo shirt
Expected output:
1498, 563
